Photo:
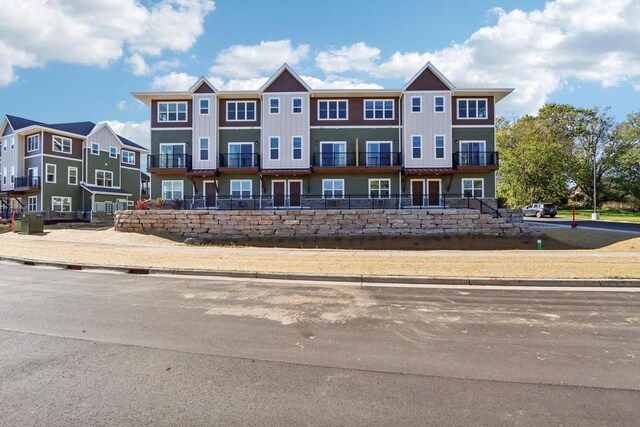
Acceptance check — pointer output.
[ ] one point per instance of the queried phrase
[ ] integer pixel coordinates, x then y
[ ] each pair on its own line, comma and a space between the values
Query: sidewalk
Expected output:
110, 248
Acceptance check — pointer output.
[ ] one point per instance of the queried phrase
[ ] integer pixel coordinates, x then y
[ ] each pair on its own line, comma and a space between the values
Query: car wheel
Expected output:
552, 216
538, 215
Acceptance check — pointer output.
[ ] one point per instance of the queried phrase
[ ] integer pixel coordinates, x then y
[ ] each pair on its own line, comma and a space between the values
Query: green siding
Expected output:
224, 184
171, 137
350, 135
61, 188
475, 134
156, 184
354, 184
102, 162
489, 183
240, 135
131, 182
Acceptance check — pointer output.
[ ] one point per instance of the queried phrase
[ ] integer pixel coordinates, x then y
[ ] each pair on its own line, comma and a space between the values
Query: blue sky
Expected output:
76, 60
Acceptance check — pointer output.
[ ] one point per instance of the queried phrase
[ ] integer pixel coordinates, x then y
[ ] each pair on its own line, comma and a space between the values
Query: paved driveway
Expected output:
599, 225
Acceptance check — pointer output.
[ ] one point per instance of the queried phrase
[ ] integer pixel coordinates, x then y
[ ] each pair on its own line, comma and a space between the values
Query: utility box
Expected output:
32, 223
17, 225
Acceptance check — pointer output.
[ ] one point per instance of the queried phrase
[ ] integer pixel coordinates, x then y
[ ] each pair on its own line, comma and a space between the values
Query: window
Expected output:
379, 188
4, 175
416, 147
61, 204
113, 152
13, 174
296, 144
62, 144
274, 105
241, 188
274, 148
50, 173
33, 143
333, 188
296, 105
472, 108
72, 175
95, 148
172, 190
240, 155
378, 109
204, 148
239, 111
438, 104
439, 146
204, 106
12, 140
4, 145
472, 153
379, 153
172, 111
32, 203
473, 187
332, 110
416, 104
104, 178
333, 153
128, 157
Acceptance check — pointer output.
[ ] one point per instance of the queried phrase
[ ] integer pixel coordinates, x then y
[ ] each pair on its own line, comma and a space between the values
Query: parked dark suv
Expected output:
540, 209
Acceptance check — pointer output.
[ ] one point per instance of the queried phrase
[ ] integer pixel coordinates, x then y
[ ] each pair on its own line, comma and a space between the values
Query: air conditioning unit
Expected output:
332, 203
241, 204
379, 202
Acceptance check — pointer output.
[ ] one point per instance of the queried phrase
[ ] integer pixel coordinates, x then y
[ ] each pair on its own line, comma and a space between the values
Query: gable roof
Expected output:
18, 123
124, 141
428, 78
79, 128
130, 143
285, 80
202, 86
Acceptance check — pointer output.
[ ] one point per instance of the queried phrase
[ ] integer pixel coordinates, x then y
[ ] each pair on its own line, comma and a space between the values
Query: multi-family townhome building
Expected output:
67, 170
287, 145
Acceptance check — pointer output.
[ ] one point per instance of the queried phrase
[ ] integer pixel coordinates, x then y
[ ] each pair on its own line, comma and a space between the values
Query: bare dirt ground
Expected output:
619, 258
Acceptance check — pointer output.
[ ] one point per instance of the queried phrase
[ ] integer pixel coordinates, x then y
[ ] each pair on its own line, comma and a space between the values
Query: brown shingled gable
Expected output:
285, 82
427, 81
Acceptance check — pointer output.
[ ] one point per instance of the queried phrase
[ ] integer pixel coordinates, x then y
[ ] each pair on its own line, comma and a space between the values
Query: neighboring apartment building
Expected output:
292, 146
67, 170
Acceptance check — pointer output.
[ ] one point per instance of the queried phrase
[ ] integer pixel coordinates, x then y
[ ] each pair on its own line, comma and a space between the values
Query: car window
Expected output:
548, 205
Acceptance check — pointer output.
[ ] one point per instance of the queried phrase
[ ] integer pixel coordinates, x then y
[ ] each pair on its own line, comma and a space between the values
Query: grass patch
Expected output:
605, 214
591, 239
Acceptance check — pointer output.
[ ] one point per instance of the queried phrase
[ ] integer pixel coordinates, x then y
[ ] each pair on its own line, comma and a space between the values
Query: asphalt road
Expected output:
81, 348
600, 225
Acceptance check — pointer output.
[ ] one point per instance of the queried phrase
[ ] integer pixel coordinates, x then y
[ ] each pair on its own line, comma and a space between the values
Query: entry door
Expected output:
295, 190
210, 194
433, 192
417, 192
278, 193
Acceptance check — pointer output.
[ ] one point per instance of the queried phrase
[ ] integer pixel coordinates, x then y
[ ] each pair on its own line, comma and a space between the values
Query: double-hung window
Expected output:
95, 148
416, 147
61, 204
296, 144
333, 188
33, 143
50, 173
379, 188
104, 178
438, 104
375, 109
416, 104
439, 146
274, 105
13, 142
172, 190
72, 175
204, 106
113, 152
296, 105
241, 188
204, 148
172, 111
473, 187
333, 110
128, 157
274, 148
472, 108
241, 111
62, 144
32, 203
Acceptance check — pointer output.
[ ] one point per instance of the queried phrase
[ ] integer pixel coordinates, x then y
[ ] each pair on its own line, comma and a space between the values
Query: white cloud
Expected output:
140, 67
357, 57
138, 132
95, 33
122, 105
173, 82
337, 82
250, 61
538, 52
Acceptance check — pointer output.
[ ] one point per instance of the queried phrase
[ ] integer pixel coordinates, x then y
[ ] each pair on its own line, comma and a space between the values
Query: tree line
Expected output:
549, 157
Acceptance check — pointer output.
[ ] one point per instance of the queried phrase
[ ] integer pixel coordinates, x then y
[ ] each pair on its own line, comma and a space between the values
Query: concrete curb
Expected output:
363, 280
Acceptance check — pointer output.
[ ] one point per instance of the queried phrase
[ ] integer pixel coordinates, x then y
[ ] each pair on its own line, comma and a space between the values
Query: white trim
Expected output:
200, 159
435, 71
173, 181
343, 143
337, 109
197, 84
277, 74
473, 126
301, 105
368, 152
32, 156
255, 110
186, 112
63, 138
486, 107
95, 177
69, 168
277, 138
269, 107
63, 158
204, 191
27, 142
355, 127
170, 128
29, 204
472, 186
421, 147
427, 194
200, 113
250, 181
122, 157
92, 151
411, 103
333, 188
293, 157
46, 173
62, 203
435, 147
240, 127
411, 181
116, 152
444, 109
393, 109
379, 189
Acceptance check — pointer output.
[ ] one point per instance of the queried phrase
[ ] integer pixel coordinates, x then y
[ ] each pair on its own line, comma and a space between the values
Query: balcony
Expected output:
357, 161
26, 183
239, 162
476, 161
169, 163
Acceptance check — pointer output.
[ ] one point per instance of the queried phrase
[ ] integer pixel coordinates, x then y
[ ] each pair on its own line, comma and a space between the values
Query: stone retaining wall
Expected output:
304, 223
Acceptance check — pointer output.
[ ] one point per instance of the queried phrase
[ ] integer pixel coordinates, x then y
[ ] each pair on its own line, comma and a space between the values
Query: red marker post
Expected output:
13, 221
574, 224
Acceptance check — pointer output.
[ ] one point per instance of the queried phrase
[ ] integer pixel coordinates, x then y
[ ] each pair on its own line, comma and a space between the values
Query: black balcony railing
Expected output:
26, 182
365, 158
239, 160
169, 161
475, 158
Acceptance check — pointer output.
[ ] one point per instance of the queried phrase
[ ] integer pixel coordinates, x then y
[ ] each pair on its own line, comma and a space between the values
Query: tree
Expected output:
626, 175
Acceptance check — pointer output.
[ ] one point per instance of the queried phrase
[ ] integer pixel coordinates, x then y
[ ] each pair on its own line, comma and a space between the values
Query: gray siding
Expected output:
285, 125
205, 126
427, 124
